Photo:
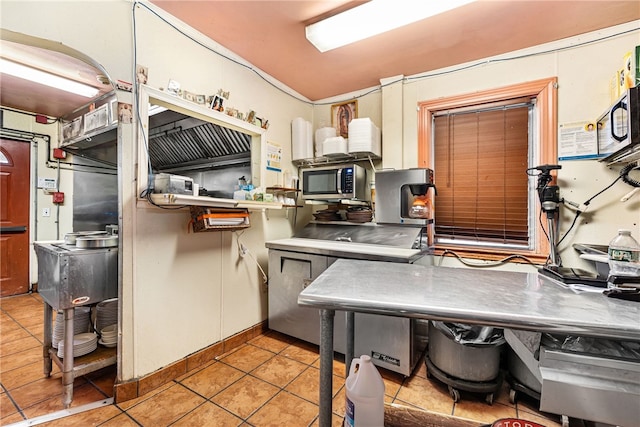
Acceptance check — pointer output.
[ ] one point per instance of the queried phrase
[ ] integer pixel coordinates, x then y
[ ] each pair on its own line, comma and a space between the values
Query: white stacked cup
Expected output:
109, 336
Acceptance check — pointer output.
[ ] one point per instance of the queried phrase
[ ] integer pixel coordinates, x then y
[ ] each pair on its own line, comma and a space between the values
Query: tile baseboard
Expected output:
140, 386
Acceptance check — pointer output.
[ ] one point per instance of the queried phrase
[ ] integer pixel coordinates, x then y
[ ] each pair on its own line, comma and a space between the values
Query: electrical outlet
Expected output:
46, 212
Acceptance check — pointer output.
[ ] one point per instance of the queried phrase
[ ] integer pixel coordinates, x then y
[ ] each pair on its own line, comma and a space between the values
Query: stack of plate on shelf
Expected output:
109, 336
81, 323
106, 313
82, 344
364, 137
359, 214
327, 215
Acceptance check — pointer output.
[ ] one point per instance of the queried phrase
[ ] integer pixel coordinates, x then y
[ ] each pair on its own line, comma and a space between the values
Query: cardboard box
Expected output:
218, 219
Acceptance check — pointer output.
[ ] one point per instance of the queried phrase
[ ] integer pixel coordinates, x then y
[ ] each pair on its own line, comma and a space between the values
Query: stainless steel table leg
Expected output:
326, 366
348, 355
67, 363
48, 312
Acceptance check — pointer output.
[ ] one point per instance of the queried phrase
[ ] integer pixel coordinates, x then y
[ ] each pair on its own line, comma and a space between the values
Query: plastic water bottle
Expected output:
624, 256
365, 395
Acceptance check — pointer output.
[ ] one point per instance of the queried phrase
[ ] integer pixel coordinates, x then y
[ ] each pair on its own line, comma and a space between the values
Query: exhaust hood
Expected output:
176, 142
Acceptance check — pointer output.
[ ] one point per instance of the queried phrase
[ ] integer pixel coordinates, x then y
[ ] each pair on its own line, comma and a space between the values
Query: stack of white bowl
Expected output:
106, 313
81, 322
109, 336
82, 344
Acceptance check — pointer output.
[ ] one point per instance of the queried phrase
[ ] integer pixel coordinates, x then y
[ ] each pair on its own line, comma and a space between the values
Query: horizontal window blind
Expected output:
481, 156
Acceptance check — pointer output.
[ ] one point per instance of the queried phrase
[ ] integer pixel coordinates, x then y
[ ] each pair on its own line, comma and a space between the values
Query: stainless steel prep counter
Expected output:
347, 249
514, 300
395, 342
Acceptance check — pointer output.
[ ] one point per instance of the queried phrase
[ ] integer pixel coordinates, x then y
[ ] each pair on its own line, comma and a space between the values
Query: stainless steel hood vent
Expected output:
176, 142
187, 143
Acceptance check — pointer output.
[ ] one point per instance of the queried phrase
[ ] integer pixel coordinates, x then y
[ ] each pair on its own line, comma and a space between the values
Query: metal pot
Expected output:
521, 372
95, 242
71, 238
465, 362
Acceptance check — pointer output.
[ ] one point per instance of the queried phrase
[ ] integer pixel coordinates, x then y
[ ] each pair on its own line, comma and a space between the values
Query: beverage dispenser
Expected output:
402, 197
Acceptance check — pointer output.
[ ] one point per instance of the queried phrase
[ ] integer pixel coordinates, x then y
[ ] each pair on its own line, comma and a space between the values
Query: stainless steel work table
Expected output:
526, 301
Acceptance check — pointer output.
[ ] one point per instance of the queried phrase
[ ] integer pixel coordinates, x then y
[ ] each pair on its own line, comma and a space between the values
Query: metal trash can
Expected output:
465, 357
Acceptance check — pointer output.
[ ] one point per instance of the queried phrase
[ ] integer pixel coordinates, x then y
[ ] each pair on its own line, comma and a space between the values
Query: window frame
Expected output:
545, 149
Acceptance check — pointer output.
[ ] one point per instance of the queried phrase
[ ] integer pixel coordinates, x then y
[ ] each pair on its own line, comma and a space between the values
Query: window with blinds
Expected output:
480, 156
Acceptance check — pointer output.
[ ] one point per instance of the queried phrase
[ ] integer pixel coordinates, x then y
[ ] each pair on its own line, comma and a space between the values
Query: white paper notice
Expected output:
577, 141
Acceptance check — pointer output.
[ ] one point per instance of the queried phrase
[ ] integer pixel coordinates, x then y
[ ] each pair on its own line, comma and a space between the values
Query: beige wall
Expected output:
583, 72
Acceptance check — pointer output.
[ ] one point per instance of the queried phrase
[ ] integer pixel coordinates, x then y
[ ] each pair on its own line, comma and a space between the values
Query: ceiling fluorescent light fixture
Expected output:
47, 79
373, 18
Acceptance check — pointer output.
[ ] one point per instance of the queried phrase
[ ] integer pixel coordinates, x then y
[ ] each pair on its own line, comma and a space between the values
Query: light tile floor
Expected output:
270, 381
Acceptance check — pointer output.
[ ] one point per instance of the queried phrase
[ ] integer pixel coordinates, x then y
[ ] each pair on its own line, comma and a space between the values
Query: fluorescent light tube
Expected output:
373, 18
44, 78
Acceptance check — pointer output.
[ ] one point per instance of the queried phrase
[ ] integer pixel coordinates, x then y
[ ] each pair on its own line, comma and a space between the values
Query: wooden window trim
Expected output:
544, 90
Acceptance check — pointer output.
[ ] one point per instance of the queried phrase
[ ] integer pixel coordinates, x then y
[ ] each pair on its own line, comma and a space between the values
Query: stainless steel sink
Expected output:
69, 276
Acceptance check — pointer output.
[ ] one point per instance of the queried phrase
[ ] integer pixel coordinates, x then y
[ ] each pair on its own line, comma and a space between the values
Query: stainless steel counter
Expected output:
494, 298
347, 249
396, 342
514, 300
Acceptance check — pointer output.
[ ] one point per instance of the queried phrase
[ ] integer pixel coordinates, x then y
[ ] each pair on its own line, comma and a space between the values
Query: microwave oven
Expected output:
618, 128
335, 183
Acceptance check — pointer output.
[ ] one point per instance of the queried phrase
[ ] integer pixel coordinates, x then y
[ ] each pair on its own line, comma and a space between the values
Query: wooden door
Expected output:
15, 165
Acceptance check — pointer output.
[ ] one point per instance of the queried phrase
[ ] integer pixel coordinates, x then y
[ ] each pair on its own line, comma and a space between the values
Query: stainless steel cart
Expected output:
70, 277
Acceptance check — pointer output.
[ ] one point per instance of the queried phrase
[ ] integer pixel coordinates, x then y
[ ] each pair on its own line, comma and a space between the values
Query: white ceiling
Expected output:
270, 35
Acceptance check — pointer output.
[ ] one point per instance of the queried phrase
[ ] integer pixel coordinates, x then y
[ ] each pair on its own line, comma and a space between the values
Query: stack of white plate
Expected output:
109, 336
364, 137
106, 313
81, 323
82, 344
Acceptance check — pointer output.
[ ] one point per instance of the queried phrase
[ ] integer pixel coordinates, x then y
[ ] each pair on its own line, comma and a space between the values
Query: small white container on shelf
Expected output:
335, 146
321, 135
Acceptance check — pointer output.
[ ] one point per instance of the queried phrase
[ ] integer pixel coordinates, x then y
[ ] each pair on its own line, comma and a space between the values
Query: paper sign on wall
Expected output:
274, 157
577, 141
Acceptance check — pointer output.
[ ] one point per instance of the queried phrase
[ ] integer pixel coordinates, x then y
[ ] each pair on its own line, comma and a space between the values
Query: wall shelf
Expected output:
336, 159
175, 200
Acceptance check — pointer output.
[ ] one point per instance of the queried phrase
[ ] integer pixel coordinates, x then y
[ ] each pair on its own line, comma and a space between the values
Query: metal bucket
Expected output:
521, 372
465, 362
71, 238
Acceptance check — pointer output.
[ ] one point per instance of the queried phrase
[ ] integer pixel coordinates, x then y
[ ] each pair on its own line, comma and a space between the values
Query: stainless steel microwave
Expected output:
335, 183
619, 126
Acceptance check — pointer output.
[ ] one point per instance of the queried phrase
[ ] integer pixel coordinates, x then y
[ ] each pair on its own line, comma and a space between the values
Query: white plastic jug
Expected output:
365, 395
